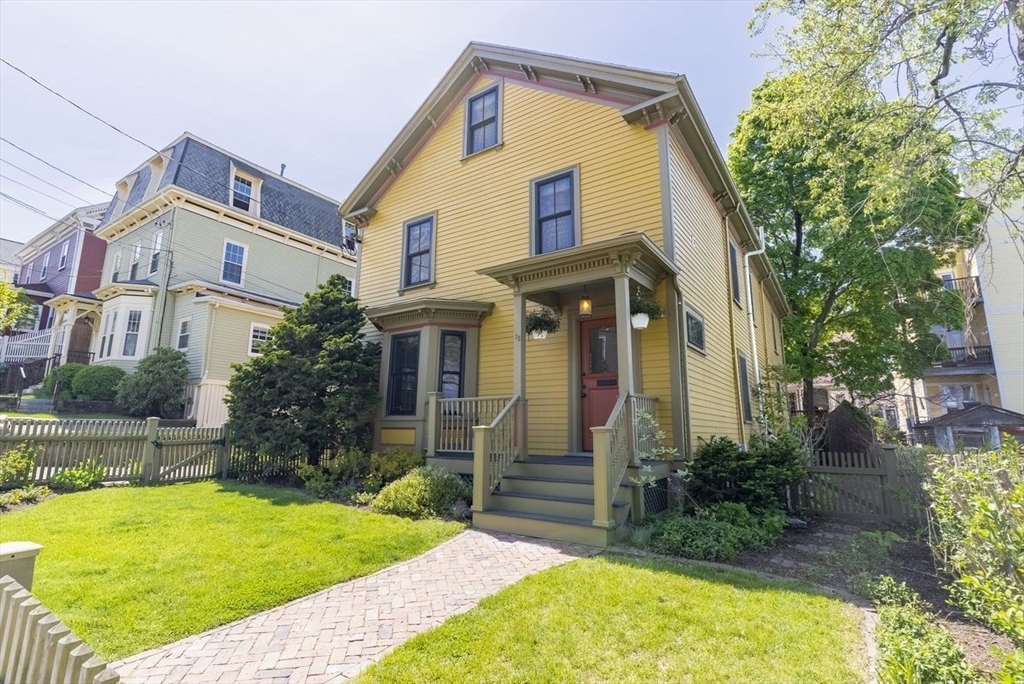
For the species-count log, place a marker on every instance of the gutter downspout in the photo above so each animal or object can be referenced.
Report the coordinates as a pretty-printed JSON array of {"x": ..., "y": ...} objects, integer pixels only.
[{"x": 750, "y": 320}]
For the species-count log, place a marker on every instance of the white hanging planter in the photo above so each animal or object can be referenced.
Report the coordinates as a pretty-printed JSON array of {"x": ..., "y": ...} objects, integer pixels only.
[
  {"x": 539, "y": 334},
  {"x": 640, "y": 320}
]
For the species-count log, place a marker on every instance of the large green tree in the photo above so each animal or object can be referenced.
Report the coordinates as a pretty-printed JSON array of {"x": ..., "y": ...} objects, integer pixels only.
[
  {"x": 949, "y": 65},
  {"x": 314, "y": 385},
  {"x": 855, "y": 231}
]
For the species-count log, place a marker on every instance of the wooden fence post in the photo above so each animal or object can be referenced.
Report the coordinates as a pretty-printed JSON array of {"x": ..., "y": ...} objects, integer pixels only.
[
  {"x": 224, "y": 453},
  {"x": 890, "y": 482},
  {"x": 150, "y": 454}
]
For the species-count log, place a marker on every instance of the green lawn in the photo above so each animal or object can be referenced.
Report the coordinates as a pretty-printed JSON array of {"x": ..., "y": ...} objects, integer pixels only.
[
  {"x": 130, "y": 568},
  {"x": 610, "y": 619}
]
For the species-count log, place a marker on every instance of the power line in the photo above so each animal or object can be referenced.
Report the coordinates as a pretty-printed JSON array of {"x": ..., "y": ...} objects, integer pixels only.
[
  {"x": 55, "y": 168},
  {"x": 29, "y": 187},
  {"x": 115, "y": 128},
  {"x": 38, "y": 178},
  {"x": 26, "y": 205}
]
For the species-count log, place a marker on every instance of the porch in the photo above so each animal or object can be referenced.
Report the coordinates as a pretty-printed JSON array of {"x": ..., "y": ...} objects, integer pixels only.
[{"x": 582, "y": 492}]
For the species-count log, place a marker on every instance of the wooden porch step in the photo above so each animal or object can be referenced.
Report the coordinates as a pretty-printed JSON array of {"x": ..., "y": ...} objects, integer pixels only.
[
  {"x": 546, "y": 486},
  {"x": 556, "y": 506},
  {"x": 557, "y": 528}
]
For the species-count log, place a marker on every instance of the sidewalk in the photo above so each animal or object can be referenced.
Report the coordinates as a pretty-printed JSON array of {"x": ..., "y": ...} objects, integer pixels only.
[{"x": 332, "y": 635}]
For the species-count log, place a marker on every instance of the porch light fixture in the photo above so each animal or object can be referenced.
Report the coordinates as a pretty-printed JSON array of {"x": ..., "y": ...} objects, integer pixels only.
[{"x": 586, "y": 306}]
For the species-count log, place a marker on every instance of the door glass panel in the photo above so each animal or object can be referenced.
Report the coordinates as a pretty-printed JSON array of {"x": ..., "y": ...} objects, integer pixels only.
[{"x": 604, "y": 351}]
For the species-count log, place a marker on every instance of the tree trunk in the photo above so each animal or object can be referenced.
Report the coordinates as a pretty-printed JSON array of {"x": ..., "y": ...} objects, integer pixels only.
[{"x": 809, "y": 412}]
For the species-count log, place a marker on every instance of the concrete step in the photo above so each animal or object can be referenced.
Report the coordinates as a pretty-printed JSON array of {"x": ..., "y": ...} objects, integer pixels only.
[
  {"x": 556, "y": 506},
  {"x": 571, "y": 530}
]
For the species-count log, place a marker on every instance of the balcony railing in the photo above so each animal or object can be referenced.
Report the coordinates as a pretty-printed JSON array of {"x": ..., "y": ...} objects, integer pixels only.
[
  {"x": 967, "y": 356},
  {"x": 968, "y": 287}
]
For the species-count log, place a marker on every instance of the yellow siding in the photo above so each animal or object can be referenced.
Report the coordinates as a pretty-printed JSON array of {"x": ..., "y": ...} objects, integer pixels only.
[
  {"x": 482, "y": 206},
  {"x": 703, "y": 260},
  {"x": 655, "y": 376}
]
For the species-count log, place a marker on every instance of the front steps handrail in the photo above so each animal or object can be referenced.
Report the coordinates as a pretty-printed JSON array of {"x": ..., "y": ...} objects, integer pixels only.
[{"x": 495, "y": 448}]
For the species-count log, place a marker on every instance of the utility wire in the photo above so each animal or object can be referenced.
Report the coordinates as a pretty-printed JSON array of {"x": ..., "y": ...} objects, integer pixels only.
[
  {"x": 44, "y": 194},
  {"x": 106, "y": 193},
  {"x": 26, "y": 205},
  {"x": 115, "y": 128},
  {"x": 38, "y": 178}
]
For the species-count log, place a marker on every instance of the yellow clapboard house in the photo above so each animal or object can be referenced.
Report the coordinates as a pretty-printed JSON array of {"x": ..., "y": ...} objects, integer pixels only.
[{"x": 531, "y": 181}]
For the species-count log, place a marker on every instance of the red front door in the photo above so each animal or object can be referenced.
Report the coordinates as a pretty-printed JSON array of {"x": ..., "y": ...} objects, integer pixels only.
[{"x": 600, "y": 386}]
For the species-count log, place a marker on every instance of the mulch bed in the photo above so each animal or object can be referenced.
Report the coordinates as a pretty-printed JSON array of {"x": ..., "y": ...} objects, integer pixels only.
[{"x": 814, "y": 554}]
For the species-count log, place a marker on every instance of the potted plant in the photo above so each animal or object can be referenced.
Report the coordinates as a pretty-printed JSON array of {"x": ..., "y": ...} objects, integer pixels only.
[
  {"x": 540, "y": 322},
  {"x": 643, "y": 309}
]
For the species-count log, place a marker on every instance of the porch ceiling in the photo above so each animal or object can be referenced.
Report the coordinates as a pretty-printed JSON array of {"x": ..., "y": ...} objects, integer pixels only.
[
  {"x": 79, "y": 305},
  {"x": 632, "y": 254}
]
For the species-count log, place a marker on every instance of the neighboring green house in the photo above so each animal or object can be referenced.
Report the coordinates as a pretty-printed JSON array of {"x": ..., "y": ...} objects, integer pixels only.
[{"x": 204, "y": 250}]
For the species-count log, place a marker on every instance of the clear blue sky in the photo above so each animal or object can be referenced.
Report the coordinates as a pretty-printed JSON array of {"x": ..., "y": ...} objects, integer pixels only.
[{"x": 320, "y": 86}]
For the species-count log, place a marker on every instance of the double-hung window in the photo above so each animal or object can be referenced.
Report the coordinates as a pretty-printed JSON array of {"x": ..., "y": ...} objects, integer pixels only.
[
  {"x": 403, "y": 374},
  {"x": 115, "y": 270},
  {"x": 453, "y": 362},
  {"x": 482, "y": 121},
  {"x": 46, "y": 267},
  {"x": 184, "y": 333},
  {"x": 258, "y": 335},
  {"x": 734, "y": 273},
  {"x": 233, "y": 267},
  {"x": 131, "y": 333},
  {"x": 748, "y": 413},
  {"x": 695, "y": 331},
  {"x": 418, "y": 263},
  {"x": 154, "y": 259},
  {"x": 63, "y": 263},
  {"x": 241, "y": 196},
  {"x": 110, "y": 335},
  {"x": 555, "y": 212},
  {"x": 133, "y": 272}
]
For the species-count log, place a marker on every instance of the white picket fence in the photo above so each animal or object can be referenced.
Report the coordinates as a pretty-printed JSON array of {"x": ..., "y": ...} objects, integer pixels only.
[
  {"x": 25, "y": 347},
  {"x": 37, "y": 648}
]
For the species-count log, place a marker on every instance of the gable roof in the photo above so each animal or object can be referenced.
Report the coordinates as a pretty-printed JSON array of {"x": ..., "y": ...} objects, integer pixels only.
[
  {"x": 90, "y": 216},
  {"x": 644, "y": 96},
  {"x": 981, "y": 414}
]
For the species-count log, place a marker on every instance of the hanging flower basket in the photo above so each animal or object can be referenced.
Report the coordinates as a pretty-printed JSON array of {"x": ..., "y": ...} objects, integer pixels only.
[
  {"x": 644, "y": 308},
  {"x": 541, "y": 322}
]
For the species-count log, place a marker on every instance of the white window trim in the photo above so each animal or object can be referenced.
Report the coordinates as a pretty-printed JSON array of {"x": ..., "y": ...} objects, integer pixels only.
[
  {"x": 177, "y": 339},
  {"x": 62, "y": 263},
  {"x": 154, "y": 257},
  {"x": 245, "y": 262},
  {"x": 115, "y": 267},
  {"x": 254, "y": 200},
  {"x": 157, "y": 166},
  {"x": 124, "y": 335},
  {"x": 45, "y": 267},
  {"x": 119, "y": 328},
  {"x": 252, "y": 331}
]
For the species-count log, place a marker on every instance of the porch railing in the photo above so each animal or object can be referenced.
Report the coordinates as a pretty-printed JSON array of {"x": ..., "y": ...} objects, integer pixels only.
[
  {"x": 25, "y": 347},
  {"x": 495, "y": 447},
  {"x": 450, "y": 422},
  {"x": 617, "y": 443}
]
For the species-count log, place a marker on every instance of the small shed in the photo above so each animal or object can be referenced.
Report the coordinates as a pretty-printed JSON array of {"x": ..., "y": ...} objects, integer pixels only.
[{"x": 981, "y": 425}]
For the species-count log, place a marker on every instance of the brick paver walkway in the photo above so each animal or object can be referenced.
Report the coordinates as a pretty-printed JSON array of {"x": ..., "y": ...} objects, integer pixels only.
[{"x": 332, "y": 635}]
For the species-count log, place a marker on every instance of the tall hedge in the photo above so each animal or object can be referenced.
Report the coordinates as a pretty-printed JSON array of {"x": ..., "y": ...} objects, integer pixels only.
[{"x": 97, "y": 383}]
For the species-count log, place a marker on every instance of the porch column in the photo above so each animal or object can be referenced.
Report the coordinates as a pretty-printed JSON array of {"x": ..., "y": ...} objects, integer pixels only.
[
  {"x": 58, "y": 321},
  {"x": 624, "y": 334},
  {"x": 519, "y": 345}
]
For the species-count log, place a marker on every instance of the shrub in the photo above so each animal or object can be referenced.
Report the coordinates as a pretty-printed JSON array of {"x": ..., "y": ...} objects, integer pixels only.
[
  {"x": 761, "y": 533},
  {"x": 391, "y": 465},
  {"x": 699, "y": 538},
  {"x": 978, "y": 506},
  {"x": 81, "y": 477},
  {"x": 29, "y": 494},
  {"x": 424, "y": 493},
  {"x": 62, "y": 379},
  {"x": 16, "y": 465},
  {"x": 348, "y": 465},
  {"x": 911, "y": 647},
  {"x": 97, "y": 383},
  {"x": 157, "y": 387},
  {"x": 722, "y": 471},
  {"x": 316, "y": 481}
]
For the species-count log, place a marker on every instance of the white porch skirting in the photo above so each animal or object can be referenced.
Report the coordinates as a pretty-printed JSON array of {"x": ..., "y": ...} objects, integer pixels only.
[{"x": 208, "y": 407}]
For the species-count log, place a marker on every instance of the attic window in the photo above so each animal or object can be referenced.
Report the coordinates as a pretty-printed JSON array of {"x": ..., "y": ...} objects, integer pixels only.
[
  {"x": 245, "y": 192},
  {"x": 483, "y": 121}
]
